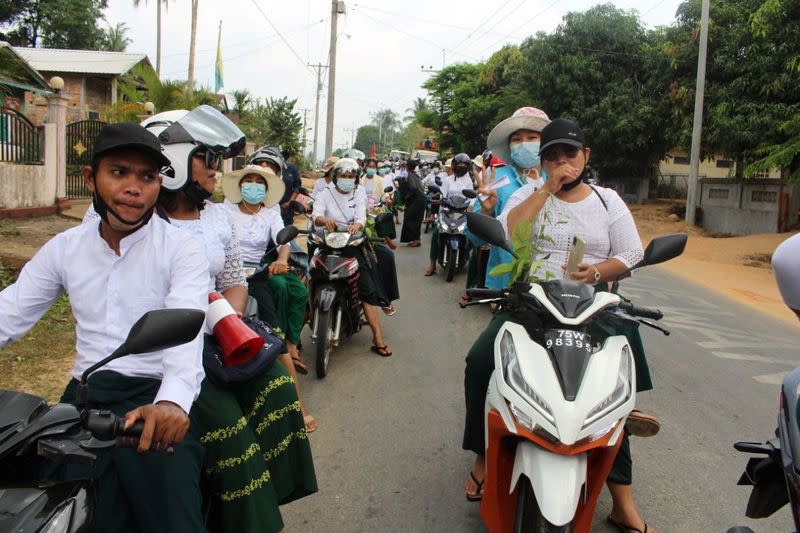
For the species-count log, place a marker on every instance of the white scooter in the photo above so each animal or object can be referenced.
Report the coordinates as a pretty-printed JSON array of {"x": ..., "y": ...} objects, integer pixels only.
[{"x": 558, "y": 399}]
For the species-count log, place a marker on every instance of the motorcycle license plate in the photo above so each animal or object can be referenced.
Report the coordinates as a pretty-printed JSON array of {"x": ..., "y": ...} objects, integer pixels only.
[{"x": 567, "y": 338}]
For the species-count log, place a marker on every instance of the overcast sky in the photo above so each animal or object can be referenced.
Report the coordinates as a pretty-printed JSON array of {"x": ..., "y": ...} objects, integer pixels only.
[{"x": 381, "y": 44}]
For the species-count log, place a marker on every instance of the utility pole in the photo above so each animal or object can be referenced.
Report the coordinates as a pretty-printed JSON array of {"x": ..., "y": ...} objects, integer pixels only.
[
  {"x": 319, "y": 68},
  {"x": 352, "y": 132},
  {"x": 336, "y": 8},
  {"x": 305, "y": 111},
  {"x": 697, "y": 126}
]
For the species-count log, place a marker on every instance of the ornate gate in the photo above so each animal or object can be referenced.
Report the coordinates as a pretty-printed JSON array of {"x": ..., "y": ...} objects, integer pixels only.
[{"x": 80, "y": 144}]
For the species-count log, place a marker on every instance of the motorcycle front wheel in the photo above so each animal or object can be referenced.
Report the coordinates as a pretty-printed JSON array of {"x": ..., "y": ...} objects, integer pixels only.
[
  {"x": 451, "y": 264},
  {"x": 324, "y": 345},
  {"x": 529, "y": 517}
]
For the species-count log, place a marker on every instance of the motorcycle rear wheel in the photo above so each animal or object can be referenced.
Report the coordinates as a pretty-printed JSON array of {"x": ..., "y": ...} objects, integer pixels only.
[
  {"x": 324, "y": 345},
  {"x": 529, "y": 517}
]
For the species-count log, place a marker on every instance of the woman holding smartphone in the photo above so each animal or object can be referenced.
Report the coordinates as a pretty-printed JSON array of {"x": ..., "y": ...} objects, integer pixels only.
[{"x": 597, "y": 219}]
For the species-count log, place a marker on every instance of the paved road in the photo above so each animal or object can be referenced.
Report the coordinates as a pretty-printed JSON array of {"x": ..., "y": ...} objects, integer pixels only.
[{"x": 388, "y": 451}]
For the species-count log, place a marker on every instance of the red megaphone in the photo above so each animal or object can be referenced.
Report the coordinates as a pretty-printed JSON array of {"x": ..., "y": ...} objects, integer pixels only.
[{"x": 239, "y": 343}]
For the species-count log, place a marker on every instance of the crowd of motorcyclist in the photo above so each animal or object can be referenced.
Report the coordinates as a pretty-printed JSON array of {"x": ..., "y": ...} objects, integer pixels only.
[{"x": 245, "y": 446}]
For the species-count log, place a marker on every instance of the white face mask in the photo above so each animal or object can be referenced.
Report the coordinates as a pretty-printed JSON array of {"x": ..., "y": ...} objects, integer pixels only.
[{"x": 346, "y": 184}]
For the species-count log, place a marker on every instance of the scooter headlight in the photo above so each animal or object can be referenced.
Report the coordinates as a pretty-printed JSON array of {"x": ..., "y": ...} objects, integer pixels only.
[
  {"x": 513, "y": 377},
  {"x": 463, "y": 226},
  {"x": 337, "y": 239},
  {"x": 621, "y": 392},
  {"x": 60, "y": 522},
  {"x": 357, "y": 242}
]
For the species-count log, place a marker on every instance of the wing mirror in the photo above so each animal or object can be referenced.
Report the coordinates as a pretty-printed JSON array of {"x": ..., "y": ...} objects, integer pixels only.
[
  {"x": 490, "y": 230},
  {"x": 434, "y": 189},
  {"x": 297, "y": 207},
  {"x": 156, "y": 330},
  {"x": 664, "y": 248},
  {"x": 469, "y": 193},
  {"x": 388, "y": 189},
  {"x": 286, "y": 235}
]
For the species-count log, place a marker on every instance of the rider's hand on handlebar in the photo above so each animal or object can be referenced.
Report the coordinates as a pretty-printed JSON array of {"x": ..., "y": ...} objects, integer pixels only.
[
  {"x": 352, "y": 229},
  {"x": 330, "y": 224},
  {"x": 164, "y": 423},
  {"x": 278, "y": 267}
]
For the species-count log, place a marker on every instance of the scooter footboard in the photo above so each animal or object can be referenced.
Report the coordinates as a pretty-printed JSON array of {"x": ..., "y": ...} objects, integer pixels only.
[{"x": 557, "y": 480}]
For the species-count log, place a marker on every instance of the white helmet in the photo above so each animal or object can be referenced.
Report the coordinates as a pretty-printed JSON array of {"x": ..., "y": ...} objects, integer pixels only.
[{"x": 182, "y": 133}]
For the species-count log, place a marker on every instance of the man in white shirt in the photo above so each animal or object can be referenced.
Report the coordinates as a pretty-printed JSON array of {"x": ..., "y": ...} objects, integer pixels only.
[{"x": 113, "y": 273}]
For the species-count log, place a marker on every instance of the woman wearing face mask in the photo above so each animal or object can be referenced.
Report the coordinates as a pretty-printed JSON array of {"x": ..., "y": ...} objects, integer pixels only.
[
  {"x": 514, "y": 140},
  {"x": 257, "y": 451},
  {"x": 342, "y": 206},
  {"x": 282, "y": 298},
  {"x": 451, "y": 186},
  {"x": 373, "y": 181},
  {"x": 410, "y": 188},
  {"x": 600, "y": 217}
]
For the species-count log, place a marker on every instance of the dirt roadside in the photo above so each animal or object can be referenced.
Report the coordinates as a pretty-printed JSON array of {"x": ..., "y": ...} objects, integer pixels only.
[{"x": 737, "y": 267}]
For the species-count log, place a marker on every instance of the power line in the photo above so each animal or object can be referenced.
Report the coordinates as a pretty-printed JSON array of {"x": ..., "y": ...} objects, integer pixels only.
[
  {"x": 472, "y": 31},
  {"x": 652, "y": 8},
  {"x": 511, "y": 34},
  {"x": 289, "y": 46}
]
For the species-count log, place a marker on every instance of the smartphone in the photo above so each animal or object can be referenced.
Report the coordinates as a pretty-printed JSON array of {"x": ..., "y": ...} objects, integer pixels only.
[{"x": 575, "y": 254}]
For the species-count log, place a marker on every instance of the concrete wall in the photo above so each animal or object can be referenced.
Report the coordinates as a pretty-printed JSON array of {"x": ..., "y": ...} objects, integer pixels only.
[
  {"x": 745, "y": 208},
  {"x": 632, "y": 190},
  {"x": 85, "y": 94},
  {"x": 31, "y": 186}
]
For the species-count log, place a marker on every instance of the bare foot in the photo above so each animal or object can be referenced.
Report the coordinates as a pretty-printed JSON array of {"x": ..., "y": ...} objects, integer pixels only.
[
  {"x": 473, "y": 485},
  {"x": 431, "y": 271}
]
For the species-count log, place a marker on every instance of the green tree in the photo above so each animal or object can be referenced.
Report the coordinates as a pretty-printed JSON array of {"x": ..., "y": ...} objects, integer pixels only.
[
  {"x": 274, "y": 122},
  {"x": 136, "y": 3},
  {"x": 242, "y": 100},
  {"x": 53, "y": 23},
  {"x": 778, "y": 22},
  {"x": 420, "y": 104},
  {"x": 165, "y": 95},
  {"x": 115, "y": 38},
  {"x": 366, "y": 137}
]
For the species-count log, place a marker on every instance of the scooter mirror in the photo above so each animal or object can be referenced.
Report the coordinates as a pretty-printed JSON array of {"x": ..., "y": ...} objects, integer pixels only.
[
  {"x": 664, "y": 248},
  {"x": 469, "y": 193},
  {"x": 434, "y": 189},
  {"x": 384, "y": 225},
  {"x": 490, "y": 230},
  {"x": 304, "y": 191},
  {"x": 164, "y": 328},
  {"x": 287, "y": 235},
  {"x": 388, "y": 189},
  {"x": 297, "y": 207}
]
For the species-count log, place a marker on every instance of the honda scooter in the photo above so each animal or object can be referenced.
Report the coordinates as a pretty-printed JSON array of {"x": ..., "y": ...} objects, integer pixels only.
[
  {"x": 32, "y": 431},
  {"x": 452, "y": 223},
  {"x": 559, "y": 396}
]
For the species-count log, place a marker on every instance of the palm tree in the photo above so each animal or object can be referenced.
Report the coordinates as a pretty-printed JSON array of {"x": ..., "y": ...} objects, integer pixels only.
[
  {"x": 242, "y": 100},
  {"x": 115, "y": 38},
  {"x": 158, "y": 31},
  {"x": 420, "y": 104},
  {"x": 190, "y": 78}
]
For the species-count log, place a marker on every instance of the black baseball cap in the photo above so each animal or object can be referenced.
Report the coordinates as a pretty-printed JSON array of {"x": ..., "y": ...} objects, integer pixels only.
[
  {"x": 561, "y": 131},
  {"x": 128, "y": 135}
]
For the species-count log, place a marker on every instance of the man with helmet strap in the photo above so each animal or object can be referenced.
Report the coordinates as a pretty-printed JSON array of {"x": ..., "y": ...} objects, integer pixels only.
[
  {"x": 342, "y": 206},
  {"x": 114, "y": 271}
]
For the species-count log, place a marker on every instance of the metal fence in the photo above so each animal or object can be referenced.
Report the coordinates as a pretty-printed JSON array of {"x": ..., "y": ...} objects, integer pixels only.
[
  {"x": 20, "y": 141},
  {"x": 80, "y": 145}
]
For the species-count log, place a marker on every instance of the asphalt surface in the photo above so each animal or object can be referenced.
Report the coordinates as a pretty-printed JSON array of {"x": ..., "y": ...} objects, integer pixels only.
[{"x": 388, "y": 450}]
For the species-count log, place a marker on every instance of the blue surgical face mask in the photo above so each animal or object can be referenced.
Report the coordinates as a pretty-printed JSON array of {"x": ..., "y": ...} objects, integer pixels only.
[
  {"x": 525, "y": 154},
  {"x": 346, "y": 184},
  {"x": 383, "y": 171},
  {"x": 253, "y": 193},
  {"x": 372, "y": 171}
]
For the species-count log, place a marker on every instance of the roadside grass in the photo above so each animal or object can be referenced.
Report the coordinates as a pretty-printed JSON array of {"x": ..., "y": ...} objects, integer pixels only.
[{"x": 40, "y": 362}]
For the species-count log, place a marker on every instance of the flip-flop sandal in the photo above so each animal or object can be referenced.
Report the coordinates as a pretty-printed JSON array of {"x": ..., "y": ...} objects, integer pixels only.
[
  {"x": 310, "y": 423},
  {"x": 429, "y": 273},
  {"x": 389, "y": 310},
  {"x": 383, "y": 351},
  {"x": 300, "y": 366},
  {"x": 466, "y": 298},
  {"x": 642, "y": 425},
  {"x": 623, "y": 528},
  {"x": 478, "y": 496}
]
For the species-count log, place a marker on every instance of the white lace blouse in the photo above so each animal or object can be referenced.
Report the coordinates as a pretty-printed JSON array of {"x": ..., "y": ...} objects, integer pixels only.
[
  {"x": 256, "y": 232},
  {"x": 609, "y": 232}
]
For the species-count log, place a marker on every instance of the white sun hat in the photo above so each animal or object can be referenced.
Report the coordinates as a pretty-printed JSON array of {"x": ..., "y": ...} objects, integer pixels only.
[
  {"x": 524, "y": 118},
  {"x": 233, "y": 191}
]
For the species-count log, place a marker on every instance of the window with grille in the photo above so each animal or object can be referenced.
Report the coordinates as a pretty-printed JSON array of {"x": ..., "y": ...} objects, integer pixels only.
[
  {"x": 680, "y": 160},
  {"x": 764, "y": 196},
  {"x": 724, "y": 163},
  {"x": 717, "y": 193}
]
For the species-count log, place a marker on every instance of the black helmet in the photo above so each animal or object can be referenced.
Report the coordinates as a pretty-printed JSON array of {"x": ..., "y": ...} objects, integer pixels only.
[
  {"x": 270, "y": 154},
  {"x": 461, "y": 164}
]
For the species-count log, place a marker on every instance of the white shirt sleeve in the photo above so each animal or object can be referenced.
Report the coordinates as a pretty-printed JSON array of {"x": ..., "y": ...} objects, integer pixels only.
[
  {"x": 24, "y": 302},
  {"x": 320, "y": 204},
  {"x": 513, "y": 201},
  {"x": 626, "y": 245},
  {"x": 183, "y": 365},
  {"x": 360, "y": 211}
]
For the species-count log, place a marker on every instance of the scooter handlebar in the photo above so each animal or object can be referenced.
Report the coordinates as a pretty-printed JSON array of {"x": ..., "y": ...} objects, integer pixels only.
[
  {"x": 643, "y": 312},
  {"x": 129, "y": 438},
  {"x": 483, "y": 294}
]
